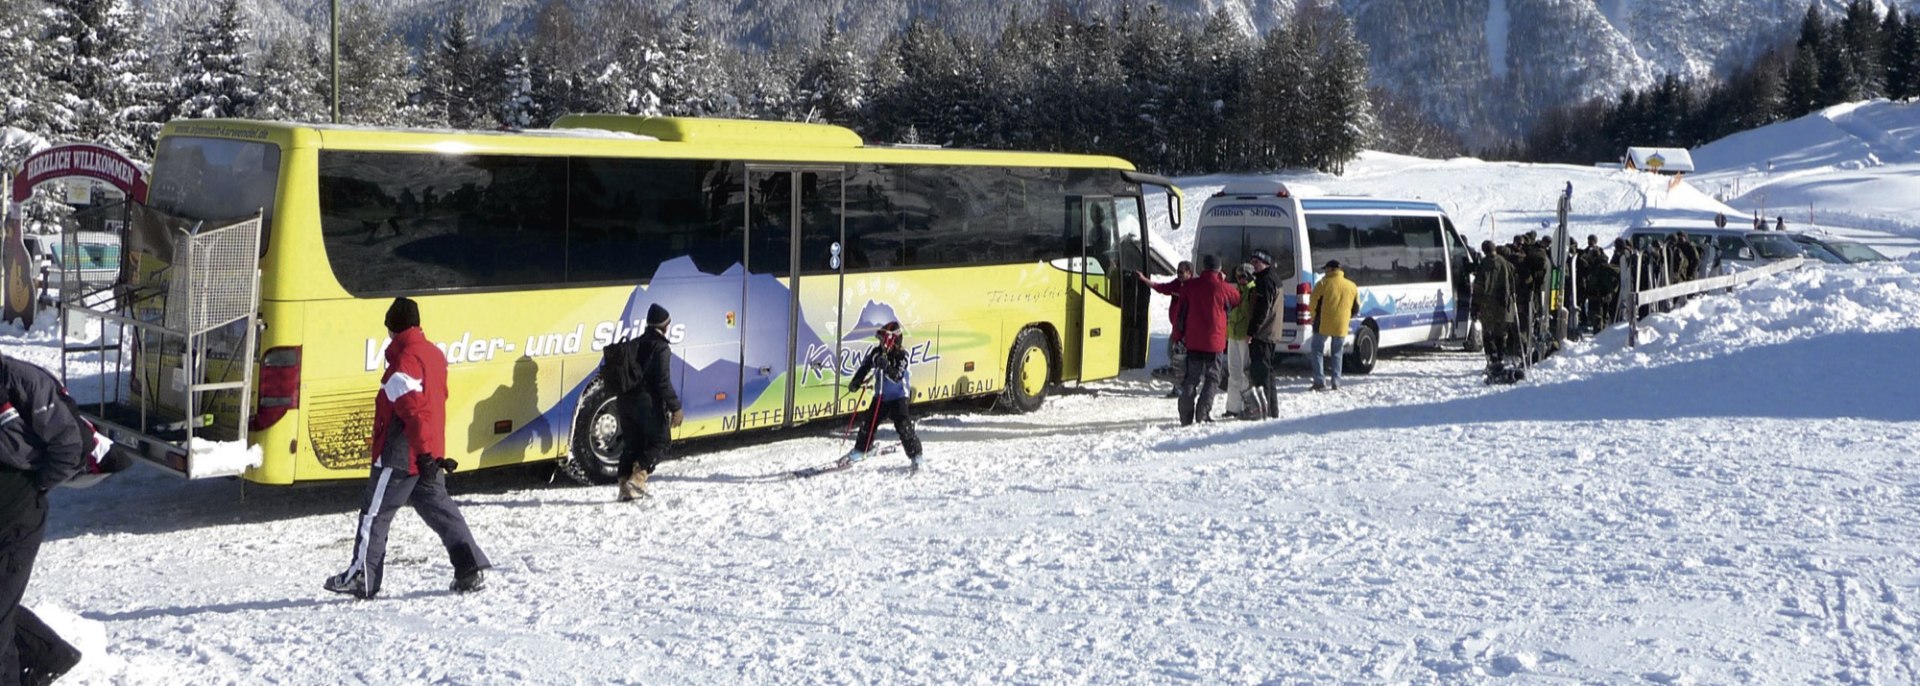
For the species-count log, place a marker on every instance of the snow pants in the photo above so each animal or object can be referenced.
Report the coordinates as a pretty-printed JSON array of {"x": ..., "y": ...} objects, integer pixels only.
[
  {"x": 1260, "y": 375},
  {"x": 20, "y": 534},
  {"x": 1237, "y": 351},
  {"x": 643, "y": 443},
  {"x": 391, "y": 487},
  {"x": 1196, "y": 389},
  {"x": 895, "y": 410}
]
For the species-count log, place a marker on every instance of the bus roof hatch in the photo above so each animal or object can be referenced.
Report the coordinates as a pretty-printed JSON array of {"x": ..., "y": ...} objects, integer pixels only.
[{"x": 718, "y": 131}]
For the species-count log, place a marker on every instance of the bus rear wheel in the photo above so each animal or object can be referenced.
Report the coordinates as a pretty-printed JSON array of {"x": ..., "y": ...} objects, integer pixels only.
[
  {"x": 1363, "y": 352},
  {"x": 1029, "y": 372},
  {"x": 594, "y": 458}
]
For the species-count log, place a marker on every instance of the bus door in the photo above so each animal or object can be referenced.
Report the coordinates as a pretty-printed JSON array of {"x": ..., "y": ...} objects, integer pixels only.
[
  {"x": 1099, "y": 320},
  {"x": 792, "y": 348}
]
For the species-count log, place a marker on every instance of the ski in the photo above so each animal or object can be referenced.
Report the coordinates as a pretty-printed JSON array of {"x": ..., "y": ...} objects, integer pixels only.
[{"x": 842, "y": 465}]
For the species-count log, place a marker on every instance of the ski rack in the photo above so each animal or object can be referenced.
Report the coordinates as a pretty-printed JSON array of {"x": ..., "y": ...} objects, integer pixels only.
[{"x": 198, "y": 313}]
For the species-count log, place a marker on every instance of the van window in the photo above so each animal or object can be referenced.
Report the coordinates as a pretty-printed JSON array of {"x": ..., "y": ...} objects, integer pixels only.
[{"x": 1380, "y": 250}]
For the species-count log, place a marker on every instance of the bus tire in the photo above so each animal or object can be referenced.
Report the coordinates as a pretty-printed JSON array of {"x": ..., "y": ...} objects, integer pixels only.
[
  {"x": 1364, "y": 351},
  {"x": 1029, "y": 373},
  {"x": 594, "y": 455}
]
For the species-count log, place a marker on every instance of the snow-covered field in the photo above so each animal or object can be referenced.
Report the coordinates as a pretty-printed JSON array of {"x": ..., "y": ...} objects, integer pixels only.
[{"x": 1733, "y": 501}]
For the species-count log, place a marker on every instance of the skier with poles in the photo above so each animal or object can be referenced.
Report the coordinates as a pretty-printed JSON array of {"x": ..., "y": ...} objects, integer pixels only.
[{"x": 893, "y": 391}]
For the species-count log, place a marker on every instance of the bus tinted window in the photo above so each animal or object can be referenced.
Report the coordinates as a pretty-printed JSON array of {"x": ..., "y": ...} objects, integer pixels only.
[
  {"x": 215, "y": 179},
  {"x": 626, "y": 216},
  {"x": 406, "y": 222}
]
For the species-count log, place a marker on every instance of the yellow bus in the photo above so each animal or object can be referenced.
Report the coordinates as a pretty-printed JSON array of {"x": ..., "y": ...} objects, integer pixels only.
[{"x": 778, "y": 248}]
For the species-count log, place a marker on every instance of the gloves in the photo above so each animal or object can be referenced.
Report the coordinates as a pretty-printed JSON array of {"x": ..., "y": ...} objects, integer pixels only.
[
  {"x": 446, "y": 464},
  {"x": 676, "y": 418}
]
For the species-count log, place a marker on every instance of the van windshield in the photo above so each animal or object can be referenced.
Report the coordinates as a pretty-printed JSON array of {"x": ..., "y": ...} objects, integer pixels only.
[
  {"x": 1234, "y": 245},
  {"x": 216, "y": 179}
]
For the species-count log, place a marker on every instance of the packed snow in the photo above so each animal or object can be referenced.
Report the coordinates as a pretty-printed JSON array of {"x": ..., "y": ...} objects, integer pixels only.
[{"x": 1731, "y": 501}]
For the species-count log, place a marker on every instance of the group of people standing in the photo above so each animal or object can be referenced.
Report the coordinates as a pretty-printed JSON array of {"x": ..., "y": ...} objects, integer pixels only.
[{"x": 1227, "y": 333}]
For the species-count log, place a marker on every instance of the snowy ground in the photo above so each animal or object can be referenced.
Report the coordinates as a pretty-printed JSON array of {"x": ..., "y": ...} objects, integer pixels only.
[{"x": 1734, "y": 501}]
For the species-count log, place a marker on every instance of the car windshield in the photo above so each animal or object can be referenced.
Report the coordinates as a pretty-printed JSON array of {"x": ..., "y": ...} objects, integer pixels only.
[
  {"x": 1856, "y": 252},
  {"x": 1773, "y": 247}
]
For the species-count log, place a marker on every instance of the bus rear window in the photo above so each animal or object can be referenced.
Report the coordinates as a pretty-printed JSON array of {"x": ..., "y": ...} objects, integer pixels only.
[{"x": 216, "y": 180}]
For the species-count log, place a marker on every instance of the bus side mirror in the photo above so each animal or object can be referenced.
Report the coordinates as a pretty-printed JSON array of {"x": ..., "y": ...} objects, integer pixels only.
[{"x": 1176, "y": 206}]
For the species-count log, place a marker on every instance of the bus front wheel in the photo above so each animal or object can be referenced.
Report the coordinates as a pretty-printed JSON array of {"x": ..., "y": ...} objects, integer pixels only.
[
  {"x": 594, "y": 458},
  {"x": 1363, "y": 352},
  {"x": 1029, "y": 372}
]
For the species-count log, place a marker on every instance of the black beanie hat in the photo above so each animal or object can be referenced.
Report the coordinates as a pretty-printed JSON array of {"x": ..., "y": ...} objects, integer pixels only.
[
  {"x": 403, "y": 315},
  {"x": 656, "y": 315}
]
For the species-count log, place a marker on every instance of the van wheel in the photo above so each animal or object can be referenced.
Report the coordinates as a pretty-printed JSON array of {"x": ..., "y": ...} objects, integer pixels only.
[
  {"x": 1363, "y": 353},
  {"x": 1029, "y": 373},
  {"x": 594, "y": 458}
]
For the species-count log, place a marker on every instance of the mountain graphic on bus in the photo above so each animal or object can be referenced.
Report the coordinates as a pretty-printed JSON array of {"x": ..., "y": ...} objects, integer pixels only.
[
  {"x": 708, "y": 370},
  {"x": 872, "y": 316}
]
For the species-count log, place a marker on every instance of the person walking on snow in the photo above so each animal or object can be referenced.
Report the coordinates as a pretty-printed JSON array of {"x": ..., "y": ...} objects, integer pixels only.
[
  {"x": 1241, "y": 404},
  {"x": 1204, "y": 302},
  {"x": 409, "y": 457},
  {"x": 893, "y": 381},
  {"x": 1176, "y": 351},
  {"x": 638, "y": 371},
  {"x": 1335, "y": 302}
]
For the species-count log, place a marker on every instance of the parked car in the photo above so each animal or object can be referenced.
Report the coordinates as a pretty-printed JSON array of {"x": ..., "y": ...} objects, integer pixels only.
[
  {"x": 1735, "y": 246},
  {"x": 1845, "y": 251}
]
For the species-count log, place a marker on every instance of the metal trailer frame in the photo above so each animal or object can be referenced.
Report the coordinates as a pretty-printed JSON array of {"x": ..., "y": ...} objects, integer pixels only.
[{"x": 213, "y": 284}]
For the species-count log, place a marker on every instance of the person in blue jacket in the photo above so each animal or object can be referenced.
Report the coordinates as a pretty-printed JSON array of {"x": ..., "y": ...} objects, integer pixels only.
[{"x": 893, "y": 381}]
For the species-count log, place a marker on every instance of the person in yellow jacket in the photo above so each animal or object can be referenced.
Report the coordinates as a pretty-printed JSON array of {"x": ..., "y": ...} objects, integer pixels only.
[{"x": 1335, "y": 302}]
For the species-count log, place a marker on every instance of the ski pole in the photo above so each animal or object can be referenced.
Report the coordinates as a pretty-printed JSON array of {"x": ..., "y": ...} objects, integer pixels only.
[
  {"x": 854, "y": 416},
  {"x": 873, "y": 422}
]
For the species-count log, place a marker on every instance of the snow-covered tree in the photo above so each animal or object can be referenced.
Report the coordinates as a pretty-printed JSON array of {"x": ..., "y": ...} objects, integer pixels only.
[
  {"x": 107, "y": 92},
  {"x": 215, "y": 79},
  {"x": 1903, "y": 62},
  {"x": 376, "y": 75},
  {"x": 27, "y": 99},
  {"x": 831, "y": 83},
  {"x": 293, "y": 82},
  {"x": 1150, "y": 56},
  {"x": 692, "y": 83},
  {"x": 455, "y": 82},
  {"x": 1343, "y": 122},
  {"x": 520, "y": 106}
]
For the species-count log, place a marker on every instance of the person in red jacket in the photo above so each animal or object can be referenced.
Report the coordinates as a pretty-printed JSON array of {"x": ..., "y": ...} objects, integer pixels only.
[
  {"x": 1204, "y": 303},
  {"x": 1176, "y": 352},
  {"x": 409, "y": 457}
]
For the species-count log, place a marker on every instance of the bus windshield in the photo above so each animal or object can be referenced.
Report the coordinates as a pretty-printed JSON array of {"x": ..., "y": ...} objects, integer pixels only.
[{"x": 215, "y": 179}]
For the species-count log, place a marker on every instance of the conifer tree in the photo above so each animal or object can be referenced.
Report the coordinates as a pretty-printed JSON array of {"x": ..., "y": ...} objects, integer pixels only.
[
  {"x": 107, "y": 91},
  {"x": 455, "y": 85},
  {"x": 376, "y": 77},
  {"x": 293, "y": 83},
  {"x": 27, "y": 99},
  {"x": 215, "y": 78},
  {"x": 831, "y": 83}
]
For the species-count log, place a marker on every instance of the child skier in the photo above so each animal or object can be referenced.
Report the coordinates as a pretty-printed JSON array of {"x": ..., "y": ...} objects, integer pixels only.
[{"x": 892, "y": 381}]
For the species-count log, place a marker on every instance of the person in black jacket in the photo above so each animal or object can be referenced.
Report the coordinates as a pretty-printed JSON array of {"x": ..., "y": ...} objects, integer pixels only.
[
  {"x": 1264, "y": 328},
  {"x": 644, "y": 401},
  {"x": 41, "y": 446},
  {"x": 893, "y": 384}
]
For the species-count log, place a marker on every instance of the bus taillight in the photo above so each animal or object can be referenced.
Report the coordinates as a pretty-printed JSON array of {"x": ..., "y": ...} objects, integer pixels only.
[
  {"x": 279, "y": 386},
  {"x": 1302, "y": 313}
]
